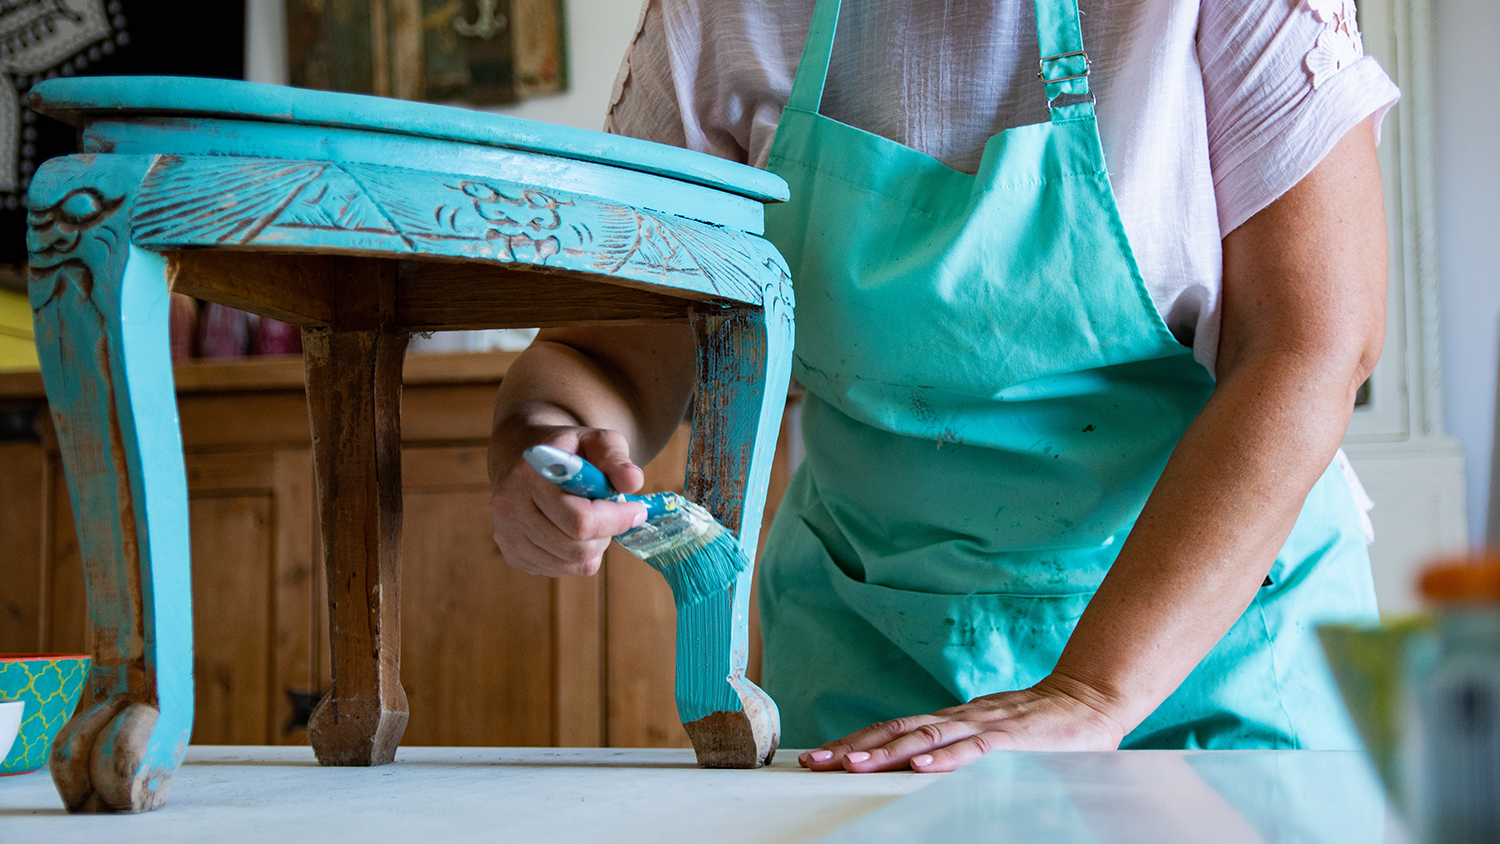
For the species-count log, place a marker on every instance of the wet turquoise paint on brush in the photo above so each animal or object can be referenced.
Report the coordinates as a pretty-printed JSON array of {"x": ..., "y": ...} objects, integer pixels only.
[{"x": 700, "y": 559}]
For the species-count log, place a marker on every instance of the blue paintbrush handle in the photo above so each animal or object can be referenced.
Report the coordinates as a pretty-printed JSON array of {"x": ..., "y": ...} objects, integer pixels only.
[{"x": 572, "y": 474}]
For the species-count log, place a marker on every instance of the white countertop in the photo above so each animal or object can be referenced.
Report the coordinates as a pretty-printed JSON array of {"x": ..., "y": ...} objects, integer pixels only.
[{"x": 280, "y": 794}]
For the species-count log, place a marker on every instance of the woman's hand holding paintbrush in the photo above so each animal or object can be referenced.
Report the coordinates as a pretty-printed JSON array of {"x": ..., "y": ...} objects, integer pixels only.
[
  {"x": 541, "y": 529},
  {"x": 613, "y": 397},
  {"x": 698, "y": 556}
]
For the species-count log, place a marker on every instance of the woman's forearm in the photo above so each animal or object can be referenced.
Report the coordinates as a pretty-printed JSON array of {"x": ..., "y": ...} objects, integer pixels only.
[
  {"x": 1210, "y": 532},
  {"x": 1304, "y": 293},
  {"x": 633, "y": 380}
]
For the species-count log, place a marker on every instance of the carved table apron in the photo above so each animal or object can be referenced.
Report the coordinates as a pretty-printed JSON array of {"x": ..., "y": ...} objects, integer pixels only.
[{"x": 362, "y": 220}]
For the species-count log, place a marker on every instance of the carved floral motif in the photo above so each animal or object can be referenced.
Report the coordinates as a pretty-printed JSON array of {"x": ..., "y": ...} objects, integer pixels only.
[{"x": 377, "y": 209}]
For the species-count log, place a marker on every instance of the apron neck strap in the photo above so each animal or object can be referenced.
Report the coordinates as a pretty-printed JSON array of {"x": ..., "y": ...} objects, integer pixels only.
[
  {"x": 812, "y": 70},
  {"x": 1063, "y": 67}
]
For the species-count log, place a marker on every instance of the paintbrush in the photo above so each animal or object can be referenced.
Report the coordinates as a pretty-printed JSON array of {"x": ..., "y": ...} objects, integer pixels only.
[{"x": 698, "y": 556}]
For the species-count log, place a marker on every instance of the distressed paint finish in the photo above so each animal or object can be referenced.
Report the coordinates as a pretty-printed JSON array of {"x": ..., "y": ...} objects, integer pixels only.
[
  {"x": 78, "y": 99},
  {"x": 744, "y": 362},
  {"x": 509, "y": 220},
  {"x": 249, "y": 203},
  {"x": 186, "y": 136},
  {"x": 100, "y": 307}
]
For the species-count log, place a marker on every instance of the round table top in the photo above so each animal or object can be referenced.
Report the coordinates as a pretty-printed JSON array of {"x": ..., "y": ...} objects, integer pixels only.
[{"x": 76, "y": 100}]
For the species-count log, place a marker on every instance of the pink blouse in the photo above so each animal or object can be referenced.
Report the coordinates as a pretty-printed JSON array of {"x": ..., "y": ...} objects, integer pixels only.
[{"x": 1208, "y": 110}]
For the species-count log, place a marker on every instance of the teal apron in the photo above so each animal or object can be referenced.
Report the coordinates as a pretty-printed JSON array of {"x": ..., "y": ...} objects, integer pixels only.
[{"x": 991, "y": 398}]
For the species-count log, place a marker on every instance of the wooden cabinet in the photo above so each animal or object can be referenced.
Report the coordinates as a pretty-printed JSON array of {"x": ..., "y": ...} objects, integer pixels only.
[{"x": 490, "y": 655}]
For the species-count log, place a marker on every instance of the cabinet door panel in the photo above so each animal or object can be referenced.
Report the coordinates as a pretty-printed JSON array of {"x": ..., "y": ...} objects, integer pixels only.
[
  {"x": 22, "y": 512},
  {"x": 232, "y": 615},
  {"x": 255, "y": 647},
  {"x": 478, "y": 648}
]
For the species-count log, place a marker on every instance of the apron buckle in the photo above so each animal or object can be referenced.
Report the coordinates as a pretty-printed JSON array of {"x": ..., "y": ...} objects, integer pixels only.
[{"x": 1042, "y": 67}]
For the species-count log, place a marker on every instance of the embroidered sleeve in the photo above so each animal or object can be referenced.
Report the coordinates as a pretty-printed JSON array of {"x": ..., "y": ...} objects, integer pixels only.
[
  {"x": 1283, "y": 82},
  {"x": 1339, "y": 45}
]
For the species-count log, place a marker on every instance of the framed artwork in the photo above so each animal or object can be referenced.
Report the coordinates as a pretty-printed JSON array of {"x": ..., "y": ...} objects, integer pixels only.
[{"x": 479, "y": 52}]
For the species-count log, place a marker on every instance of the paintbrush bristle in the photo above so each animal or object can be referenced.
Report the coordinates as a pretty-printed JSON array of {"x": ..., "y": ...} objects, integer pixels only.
[{"x": 696, "y": 555}]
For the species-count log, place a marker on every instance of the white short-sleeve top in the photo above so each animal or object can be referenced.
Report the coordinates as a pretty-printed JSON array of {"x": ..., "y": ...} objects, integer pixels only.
[{"x": 1208, "y": 109}]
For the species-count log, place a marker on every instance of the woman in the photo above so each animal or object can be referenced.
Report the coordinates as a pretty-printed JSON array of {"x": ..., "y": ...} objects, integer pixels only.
[{"x": 1070, "y": 477}]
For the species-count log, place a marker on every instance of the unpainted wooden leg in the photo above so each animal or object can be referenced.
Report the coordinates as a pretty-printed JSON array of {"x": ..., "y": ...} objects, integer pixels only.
[
  {"x": 354, "y": 400},
  {"x": 744, "y": 364},
  {"x": 100, "y": 308}
]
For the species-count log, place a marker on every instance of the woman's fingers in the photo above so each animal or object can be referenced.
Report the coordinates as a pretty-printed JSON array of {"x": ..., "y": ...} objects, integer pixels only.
[
  {"x": 542, "y": 530},
  {"x": 832, "y": 755},
  {"x": 609, "y": 451},
  {"x": 901, "y": 750},
  {"x": 1029, "y": 719}
]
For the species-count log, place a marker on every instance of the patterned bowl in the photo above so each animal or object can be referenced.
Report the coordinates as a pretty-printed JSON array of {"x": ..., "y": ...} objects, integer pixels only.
[{"x": 50, "y": 685}]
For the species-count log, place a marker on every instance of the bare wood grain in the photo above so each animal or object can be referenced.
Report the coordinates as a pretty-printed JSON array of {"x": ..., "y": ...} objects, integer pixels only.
[
  {"x": 292, "y": 288},
  {"x": 580, "y": 688},
  {"x": 449, "y": 413},
  {"x": 437, "y": 295},
  {"x": 477, "y": 635},
  {"x": 354, "y": 401},
  {"x": 65, "y": 629},
  {"x": 232, "y": 547}
]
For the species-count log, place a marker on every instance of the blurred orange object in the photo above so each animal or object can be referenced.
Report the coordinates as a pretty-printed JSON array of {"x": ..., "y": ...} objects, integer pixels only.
[{"x": 1466, "y": 579}]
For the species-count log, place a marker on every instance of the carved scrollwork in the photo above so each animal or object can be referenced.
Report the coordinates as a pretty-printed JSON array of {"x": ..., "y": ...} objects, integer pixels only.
[
  {"x": 74, "y": 229},
  {"x": 376, "y": 209}
]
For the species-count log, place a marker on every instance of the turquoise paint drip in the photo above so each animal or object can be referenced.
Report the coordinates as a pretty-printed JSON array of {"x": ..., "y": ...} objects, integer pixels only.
[{"x": 704, "y": 631}]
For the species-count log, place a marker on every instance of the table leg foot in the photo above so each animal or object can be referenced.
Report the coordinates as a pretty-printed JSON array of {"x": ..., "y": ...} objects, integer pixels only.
[
  {"x": 743, "y": 363},
  {"x": 100, "y": 761},
  {"x": 356, "y": 732},
  {"x": 744, "y": 739}
]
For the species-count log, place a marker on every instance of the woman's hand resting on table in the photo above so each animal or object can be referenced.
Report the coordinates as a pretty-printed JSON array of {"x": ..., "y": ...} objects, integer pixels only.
[
  {"x": 542, "y": 530},
  {"x": 1056, "y": 714}
]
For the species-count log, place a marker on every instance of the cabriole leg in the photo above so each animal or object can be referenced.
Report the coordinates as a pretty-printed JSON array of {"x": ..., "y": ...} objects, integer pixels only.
[
  {"x": 100, "y": 308},
  {"x": 354, "y": 400},
  {"x": 744, "y": 359}
]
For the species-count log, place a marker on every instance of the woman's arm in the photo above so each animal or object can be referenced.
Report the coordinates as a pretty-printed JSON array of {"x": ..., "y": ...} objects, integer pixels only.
[
  {"x": 612, "y": 394},
  {"x": 1303, "y": 324}
]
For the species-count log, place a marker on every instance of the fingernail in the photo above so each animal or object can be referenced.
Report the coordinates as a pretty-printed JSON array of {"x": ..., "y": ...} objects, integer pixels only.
[
  {"x": 858, "y": 756},
  {"x": 921, "y": 761},
  {"x": 820, "y": 755},
  {"x": 640, "y": 519}
]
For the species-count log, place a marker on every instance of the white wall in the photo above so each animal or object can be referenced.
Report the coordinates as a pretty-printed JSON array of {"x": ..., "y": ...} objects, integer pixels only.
[
  {"x": 1466, "y": 111},
  {"x": 598, "y": 33}
]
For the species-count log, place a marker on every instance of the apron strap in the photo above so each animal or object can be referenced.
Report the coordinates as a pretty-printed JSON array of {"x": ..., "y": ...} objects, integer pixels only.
[
  {"x": 812, "y": 69},
  {"x": 1063, "y": 67}
]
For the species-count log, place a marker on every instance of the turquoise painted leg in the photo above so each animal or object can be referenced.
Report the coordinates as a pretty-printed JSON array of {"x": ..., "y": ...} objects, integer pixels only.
[
  {"x": 100, "y": 307},
  {"x": 744, "y": 362}
]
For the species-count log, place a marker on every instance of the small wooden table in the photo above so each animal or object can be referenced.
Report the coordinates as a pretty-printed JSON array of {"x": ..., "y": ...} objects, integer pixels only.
[{"x": 362, "y": 220}]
